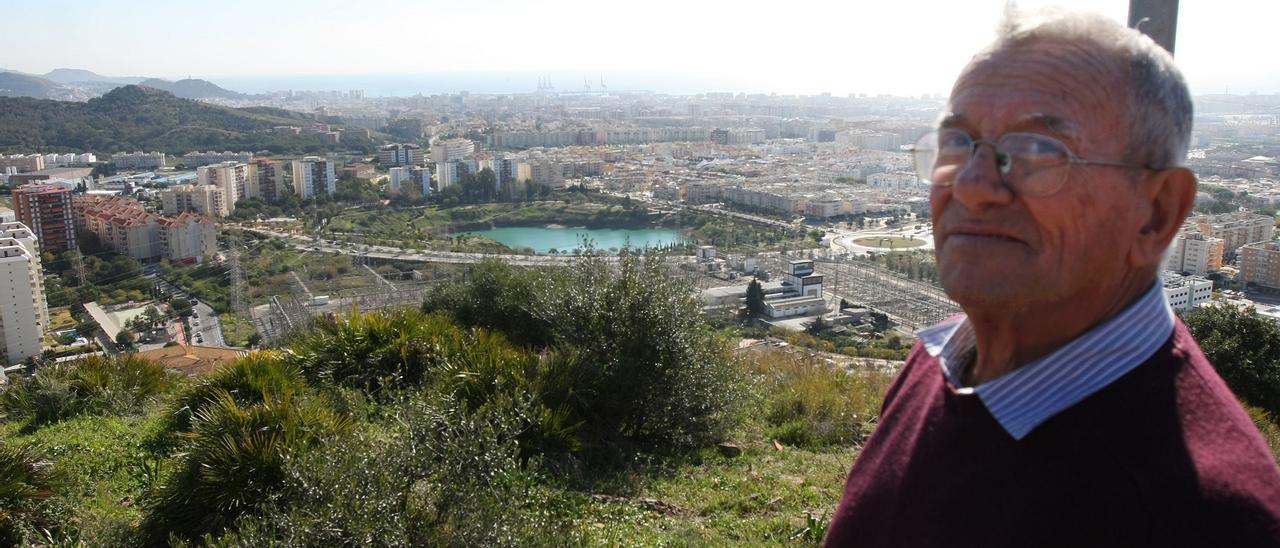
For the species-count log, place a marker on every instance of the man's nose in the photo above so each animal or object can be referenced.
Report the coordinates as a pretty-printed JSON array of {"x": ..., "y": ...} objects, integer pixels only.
[{"x": 980, "y": 184}]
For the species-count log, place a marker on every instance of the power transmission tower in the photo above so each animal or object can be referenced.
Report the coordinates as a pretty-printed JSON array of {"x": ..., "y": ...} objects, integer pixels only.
[
  {"x": 77, "y": 265},
  {"x": 238, "y": 306}
]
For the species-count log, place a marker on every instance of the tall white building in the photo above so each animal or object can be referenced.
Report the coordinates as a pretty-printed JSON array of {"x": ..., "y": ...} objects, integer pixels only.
[
  {"x": 237, "y": 181},
  {"x": 1195, "y": 253},
  {"x": 24, "y": 236},
  {"x": 400, "y": 155},
  {"x": 314, "y": 175},
  {"x": 447, "y": 150},
  {"x": 419, "y": 177},
  {"x": 23, "y": 312},
  {"x": 451, "y": 173}
]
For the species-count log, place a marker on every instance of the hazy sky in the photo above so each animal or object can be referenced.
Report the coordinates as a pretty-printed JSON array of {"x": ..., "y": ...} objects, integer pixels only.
[{"x": 798, "y": 46}]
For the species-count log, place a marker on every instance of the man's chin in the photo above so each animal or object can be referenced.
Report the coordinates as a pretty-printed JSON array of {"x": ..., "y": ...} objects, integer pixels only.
[{"x": 987, "y": 290}]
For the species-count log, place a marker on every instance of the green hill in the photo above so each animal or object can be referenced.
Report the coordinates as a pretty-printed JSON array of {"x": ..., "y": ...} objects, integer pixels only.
[
  {"x": 13, "y": 84},
  {"x": 139, "y": 118},
  {"x": 191, "y": 88}
]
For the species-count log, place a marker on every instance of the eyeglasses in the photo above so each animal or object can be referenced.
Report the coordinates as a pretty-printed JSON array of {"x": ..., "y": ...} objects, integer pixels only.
[{"x": 1027, "y": 162}]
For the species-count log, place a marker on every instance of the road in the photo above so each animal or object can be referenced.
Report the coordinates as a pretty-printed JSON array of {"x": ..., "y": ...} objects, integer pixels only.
[{"x": 209, "y": 332}]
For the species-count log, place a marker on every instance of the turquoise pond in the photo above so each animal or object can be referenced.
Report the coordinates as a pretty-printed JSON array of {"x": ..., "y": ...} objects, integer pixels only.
[{"x": 543, "y": 239}]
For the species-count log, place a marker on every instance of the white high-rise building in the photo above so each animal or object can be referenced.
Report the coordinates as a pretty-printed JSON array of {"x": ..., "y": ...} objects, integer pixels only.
[
  {"x": 451, "y": 173},
  {"x": 24, "y": 236},
  {"x": 314, "y": 175},
  {"x": 237, "y": 181},
  {"x": 1194, "y": 253},
  {"x": 447, "y": 150},
  {"x": 23, "y": 313},
  {"x": 419, "y": 177}
]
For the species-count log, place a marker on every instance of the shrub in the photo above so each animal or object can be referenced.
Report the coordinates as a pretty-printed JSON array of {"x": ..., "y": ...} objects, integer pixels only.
[
  {"x": 27, "y": 479},
  {"x": 234, "y": 459},
  {"x": 1245, "y": 350},
  {"x": 810, "y": 404},
  {"x": 446, "y": 476},
  {"x": 97, "y": 385},
  {"x": 248, "y": 381},
  {"x": 496, "y": 297}
]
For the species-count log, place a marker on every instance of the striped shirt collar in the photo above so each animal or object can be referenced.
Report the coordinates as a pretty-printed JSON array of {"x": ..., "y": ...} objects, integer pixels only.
[{"x": 1032, "y": 394}]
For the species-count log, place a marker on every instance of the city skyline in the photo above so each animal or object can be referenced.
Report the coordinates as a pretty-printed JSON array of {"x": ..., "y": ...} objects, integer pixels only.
[{"x": 400, "y": 48}]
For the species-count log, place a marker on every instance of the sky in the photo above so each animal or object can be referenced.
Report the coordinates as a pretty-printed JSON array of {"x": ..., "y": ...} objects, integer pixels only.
[{"x": 799, "y": 46}]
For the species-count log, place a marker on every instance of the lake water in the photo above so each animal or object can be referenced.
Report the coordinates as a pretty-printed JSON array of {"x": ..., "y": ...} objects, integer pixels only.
[{"x": 543, "y": 239}]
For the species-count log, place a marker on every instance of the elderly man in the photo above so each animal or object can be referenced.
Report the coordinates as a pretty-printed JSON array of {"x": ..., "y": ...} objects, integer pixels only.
[{"x": 1068, "y": 406}]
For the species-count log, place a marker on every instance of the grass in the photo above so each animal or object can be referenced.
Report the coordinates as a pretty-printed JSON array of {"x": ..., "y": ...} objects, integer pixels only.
[
  {"x": 235, "y": 330},
  {"x": 887, "y": 242}
]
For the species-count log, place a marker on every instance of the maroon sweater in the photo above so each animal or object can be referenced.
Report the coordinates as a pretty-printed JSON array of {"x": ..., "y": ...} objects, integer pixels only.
[{"x": 1164, "y": 456}]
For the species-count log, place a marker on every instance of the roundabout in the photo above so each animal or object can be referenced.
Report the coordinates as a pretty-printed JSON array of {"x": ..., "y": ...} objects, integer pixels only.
[{"x": 912, "y": 238}]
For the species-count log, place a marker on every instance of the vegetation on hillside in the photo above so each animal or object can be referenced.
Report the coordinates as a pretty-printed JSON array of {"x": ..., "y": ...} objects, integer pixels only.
[{"x": 133, "y": 118}]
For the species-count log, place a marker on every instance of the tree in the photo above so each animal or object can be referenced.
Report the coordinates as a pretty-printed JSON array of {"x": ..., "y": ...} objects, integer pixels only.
[
  {"x": 755, "y": 299},
  {"x": 125, "y": 338},
  {"x": 817, "y": 326},
  {"x": 1244, "y": 348}
]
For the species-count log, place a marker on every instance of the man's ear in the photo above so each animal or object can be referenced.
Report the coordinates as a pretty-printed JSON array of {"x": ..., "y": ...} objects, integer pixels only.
[{"x": 1170, "y": 194}]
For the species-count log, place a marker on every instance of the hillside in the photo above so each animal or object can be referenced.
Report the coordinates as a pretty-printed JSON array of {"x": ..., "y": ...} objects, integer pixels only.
[
  {"x": 72, "y": 76},
  {"x": 138, "y": 118},
  {"x": 14, "y": 84},
  {"x": 191, "y": 88}
]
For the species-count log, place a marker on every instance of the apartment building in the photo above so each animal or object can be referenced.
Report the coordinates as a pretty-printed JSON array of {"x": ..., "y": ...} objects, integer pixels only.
[
  {"x": 237, "y": 181},
  {"x": 411, "y": 176},
  {"x": 46, "y": 210},
  {"x": 23, "y": 313},
  {"x": 207, "y": 200},
  {"x": 1194, "y": 253},
  {"x": 188, "y": 238},
  {"x": 270, "y": 179},
  {"x": 1260, "y": 264},
  {"x": 197, "y": 159},
  {"x": 448, "y": 150},
  {"x": 1236, "y": 229},
  {"x": 313, "y": 175},
  {"x": 138, "y": 160},
  {"x": 451, "y": 173},
  {"x": 24, "y": 236},
  {"x": 124, "y": 225},
  {"x": 400, "y": 155},
  {"x": 22, "y": 163},
  {"x": 1186, "y": 292}
]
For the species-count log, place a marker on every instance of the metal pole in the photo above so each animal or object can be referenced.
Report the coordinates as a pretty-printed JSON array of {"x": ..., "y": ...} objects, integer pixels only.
[{"x": 1157, "y": 19}]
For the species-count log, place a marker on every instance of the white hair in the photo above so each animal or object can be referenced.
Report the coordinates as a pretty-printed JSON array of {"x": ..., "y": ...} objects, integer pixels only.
[{"x": 1159, "y": 102}]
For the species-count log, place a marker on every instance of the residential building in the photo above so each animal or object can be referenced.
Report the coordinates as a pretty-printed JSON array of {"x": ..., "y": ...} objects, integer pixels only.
[
  {"x": 237, "y": 181},
  {"x": 447, "y": 150},
  {"x": 364, "y": 172},
  {"x": 1186, "y": 292},
  {"x": 313, "y": 175},
  {"x": 1260, "y": 264},
  {"x": 22, "y": 162},
  {"x": 270, "y": 179},
  {"x": 400, "y": 155},
  {"x": 1236, "y": 229},
  {"x": 138, "y": 160},
  {"x": 207, "y": 200},
  {"x": 451, "y": 173},
  {"x": 1194, "y": 253},
  {"x": 125, "y": 226},
  {"x": 188, "y": 238},
  {"x": 414, "y": 176},
  {"x": 24, "y": 236},
  {"x": 197, "y": 159},
  {"x": 46, "y": 210},
  {"x": 23, "y": 313}
]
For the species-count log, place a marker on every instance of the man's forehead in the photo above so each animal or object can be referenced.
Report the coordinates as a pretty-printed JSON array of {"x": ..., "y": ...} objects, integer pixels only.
[{"x": 1052, "y": 122}]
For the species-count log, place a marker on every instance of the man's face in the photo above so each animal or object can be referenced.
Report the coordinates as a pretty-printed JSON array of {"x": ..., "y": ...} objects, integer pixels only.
[{"x": 998, "y": 249}]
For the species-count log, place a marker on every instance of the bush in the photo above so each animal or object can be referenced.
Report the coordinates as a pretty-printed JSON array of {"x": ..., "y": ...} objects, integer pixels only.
[
  {"x": 234, "y": 460},
  {"x": 248, "y": 381},
  {"x": 96, "y": 385},
  {"x": 446, "y": 476},
  {"x": 27, "y": 479},
  {"x": 637, "y": 366},
  {"x": 1245, "y": 350},
  {"x": 810, "y": 404}
]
